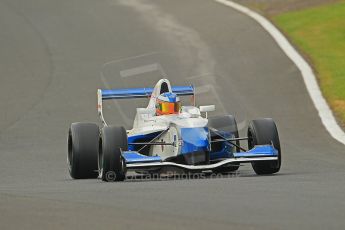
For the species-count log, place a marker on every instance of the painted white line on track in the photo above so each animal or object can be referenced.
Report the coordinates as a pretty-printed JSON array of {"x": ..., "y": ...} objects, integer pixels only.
[
  {"x": 139, "y": 70},
  {"x": 309, "y": 78}
]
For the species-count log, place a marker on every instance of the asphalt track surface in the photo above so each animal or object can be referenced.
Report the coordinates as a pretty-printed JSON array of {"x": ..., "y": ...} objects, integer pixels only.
[{"x": 53, "y": 56}]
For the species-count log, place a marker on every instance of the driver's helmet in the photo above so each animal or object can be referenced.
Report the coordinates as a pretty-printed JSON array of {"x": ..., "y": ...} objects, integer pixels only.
[{"x": 168, "y": 103}]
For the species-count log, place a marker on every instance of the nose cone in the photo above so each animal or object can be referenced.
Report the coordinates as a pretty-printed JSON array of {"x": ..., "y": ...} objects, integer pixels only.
[{"x": 194, "y": 139}]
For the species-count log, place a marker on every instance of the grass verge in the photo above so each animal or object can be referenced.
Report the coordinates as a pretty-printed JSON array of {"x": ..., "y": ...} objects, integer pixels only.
[{"x": 319, "y": 33}]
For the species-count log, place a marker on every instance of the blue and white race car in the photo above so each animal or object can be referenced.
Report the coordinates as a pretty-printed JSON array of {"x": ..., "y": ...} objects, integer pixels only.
[{"x": 168, "y": 136}]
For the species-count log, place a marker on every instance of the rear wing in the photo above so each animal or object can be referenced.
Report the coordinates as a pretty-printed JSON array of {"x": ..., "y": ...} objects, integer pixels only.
[{"x": 108, "y": 94}]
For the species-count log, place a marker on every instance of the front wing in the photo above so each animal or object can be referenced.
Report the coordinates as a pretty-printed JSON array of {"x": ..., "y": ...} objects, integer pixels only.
[{"x": 136, "y": 161}]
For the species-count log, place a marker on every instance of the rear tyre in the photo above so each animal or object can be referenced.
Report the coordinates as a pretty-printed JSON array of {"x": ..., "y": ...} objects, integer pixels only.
[
  {"x": 112, "y": 165},
  {"x": 83, "y": 150},
  {"x": 264, "y": 132},
  {"x": 226, "y": 124}
]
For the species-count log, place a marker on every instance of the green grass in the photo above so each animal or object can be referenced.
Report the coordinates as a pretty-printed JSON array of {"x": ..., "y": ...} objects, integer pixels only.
[{"x": 320, "y": 34}]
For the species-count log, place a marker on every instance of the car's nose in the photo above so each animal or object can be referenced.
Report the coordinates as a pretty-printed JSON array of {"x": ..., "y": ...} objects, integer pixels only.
[{"x": 194, "y": 139}]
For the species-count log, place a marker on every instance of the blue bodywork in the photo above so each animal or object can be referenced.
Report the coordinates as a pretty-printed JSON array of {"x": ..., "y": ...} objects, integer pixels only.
[
  {"x": 225, "y": 150},
  {"x": 258, "y": 151},
  {"x": 135, "y": 157},
  {"x": 194, "y": 140}
]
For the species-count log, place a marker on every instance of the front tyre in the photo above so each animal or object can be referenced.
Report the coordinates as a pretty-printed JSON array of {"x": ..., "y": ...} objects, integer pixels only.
[
  {"x": 264, "y": 132},
  {"x": 83, "y": 150},
  {"x": 112, "y": 165}
]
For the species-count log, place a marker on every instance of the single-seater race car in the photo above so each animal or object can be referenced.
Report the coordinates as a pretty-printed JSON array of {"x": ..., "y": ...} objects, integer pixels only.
[{"x": 168, "y": 136}]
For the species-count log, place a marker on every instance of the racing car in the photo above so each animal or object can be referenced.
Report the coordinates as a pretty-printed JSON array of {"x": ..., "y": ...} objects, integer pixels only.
[{"x": 167, "y": 135}]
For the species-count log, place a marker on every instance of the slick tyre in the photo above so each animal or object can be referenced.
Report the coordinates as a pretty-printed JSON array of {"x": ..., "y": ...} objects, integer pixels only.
[
  {"x": 264, "y": 132},
  {"x": 82, "y": 154},
  {"x": 112, "y": 165}
]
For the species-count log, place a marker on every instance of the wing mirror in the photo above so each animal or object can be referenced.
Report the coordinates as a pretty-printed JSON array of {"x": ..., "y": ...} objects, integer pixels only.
[{"x": 207, "y": 108}]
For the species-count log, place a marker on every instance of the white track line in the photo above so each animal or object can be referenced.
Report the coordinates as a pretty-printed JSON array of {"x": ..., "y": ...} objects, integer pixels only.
[{"x": 309, "y": 78}]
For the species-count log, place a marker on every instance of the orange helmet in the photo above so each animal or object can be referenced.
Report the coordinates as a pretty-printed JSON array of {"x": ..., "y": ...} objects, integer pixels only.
[{"x": 168, "y": 103}]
